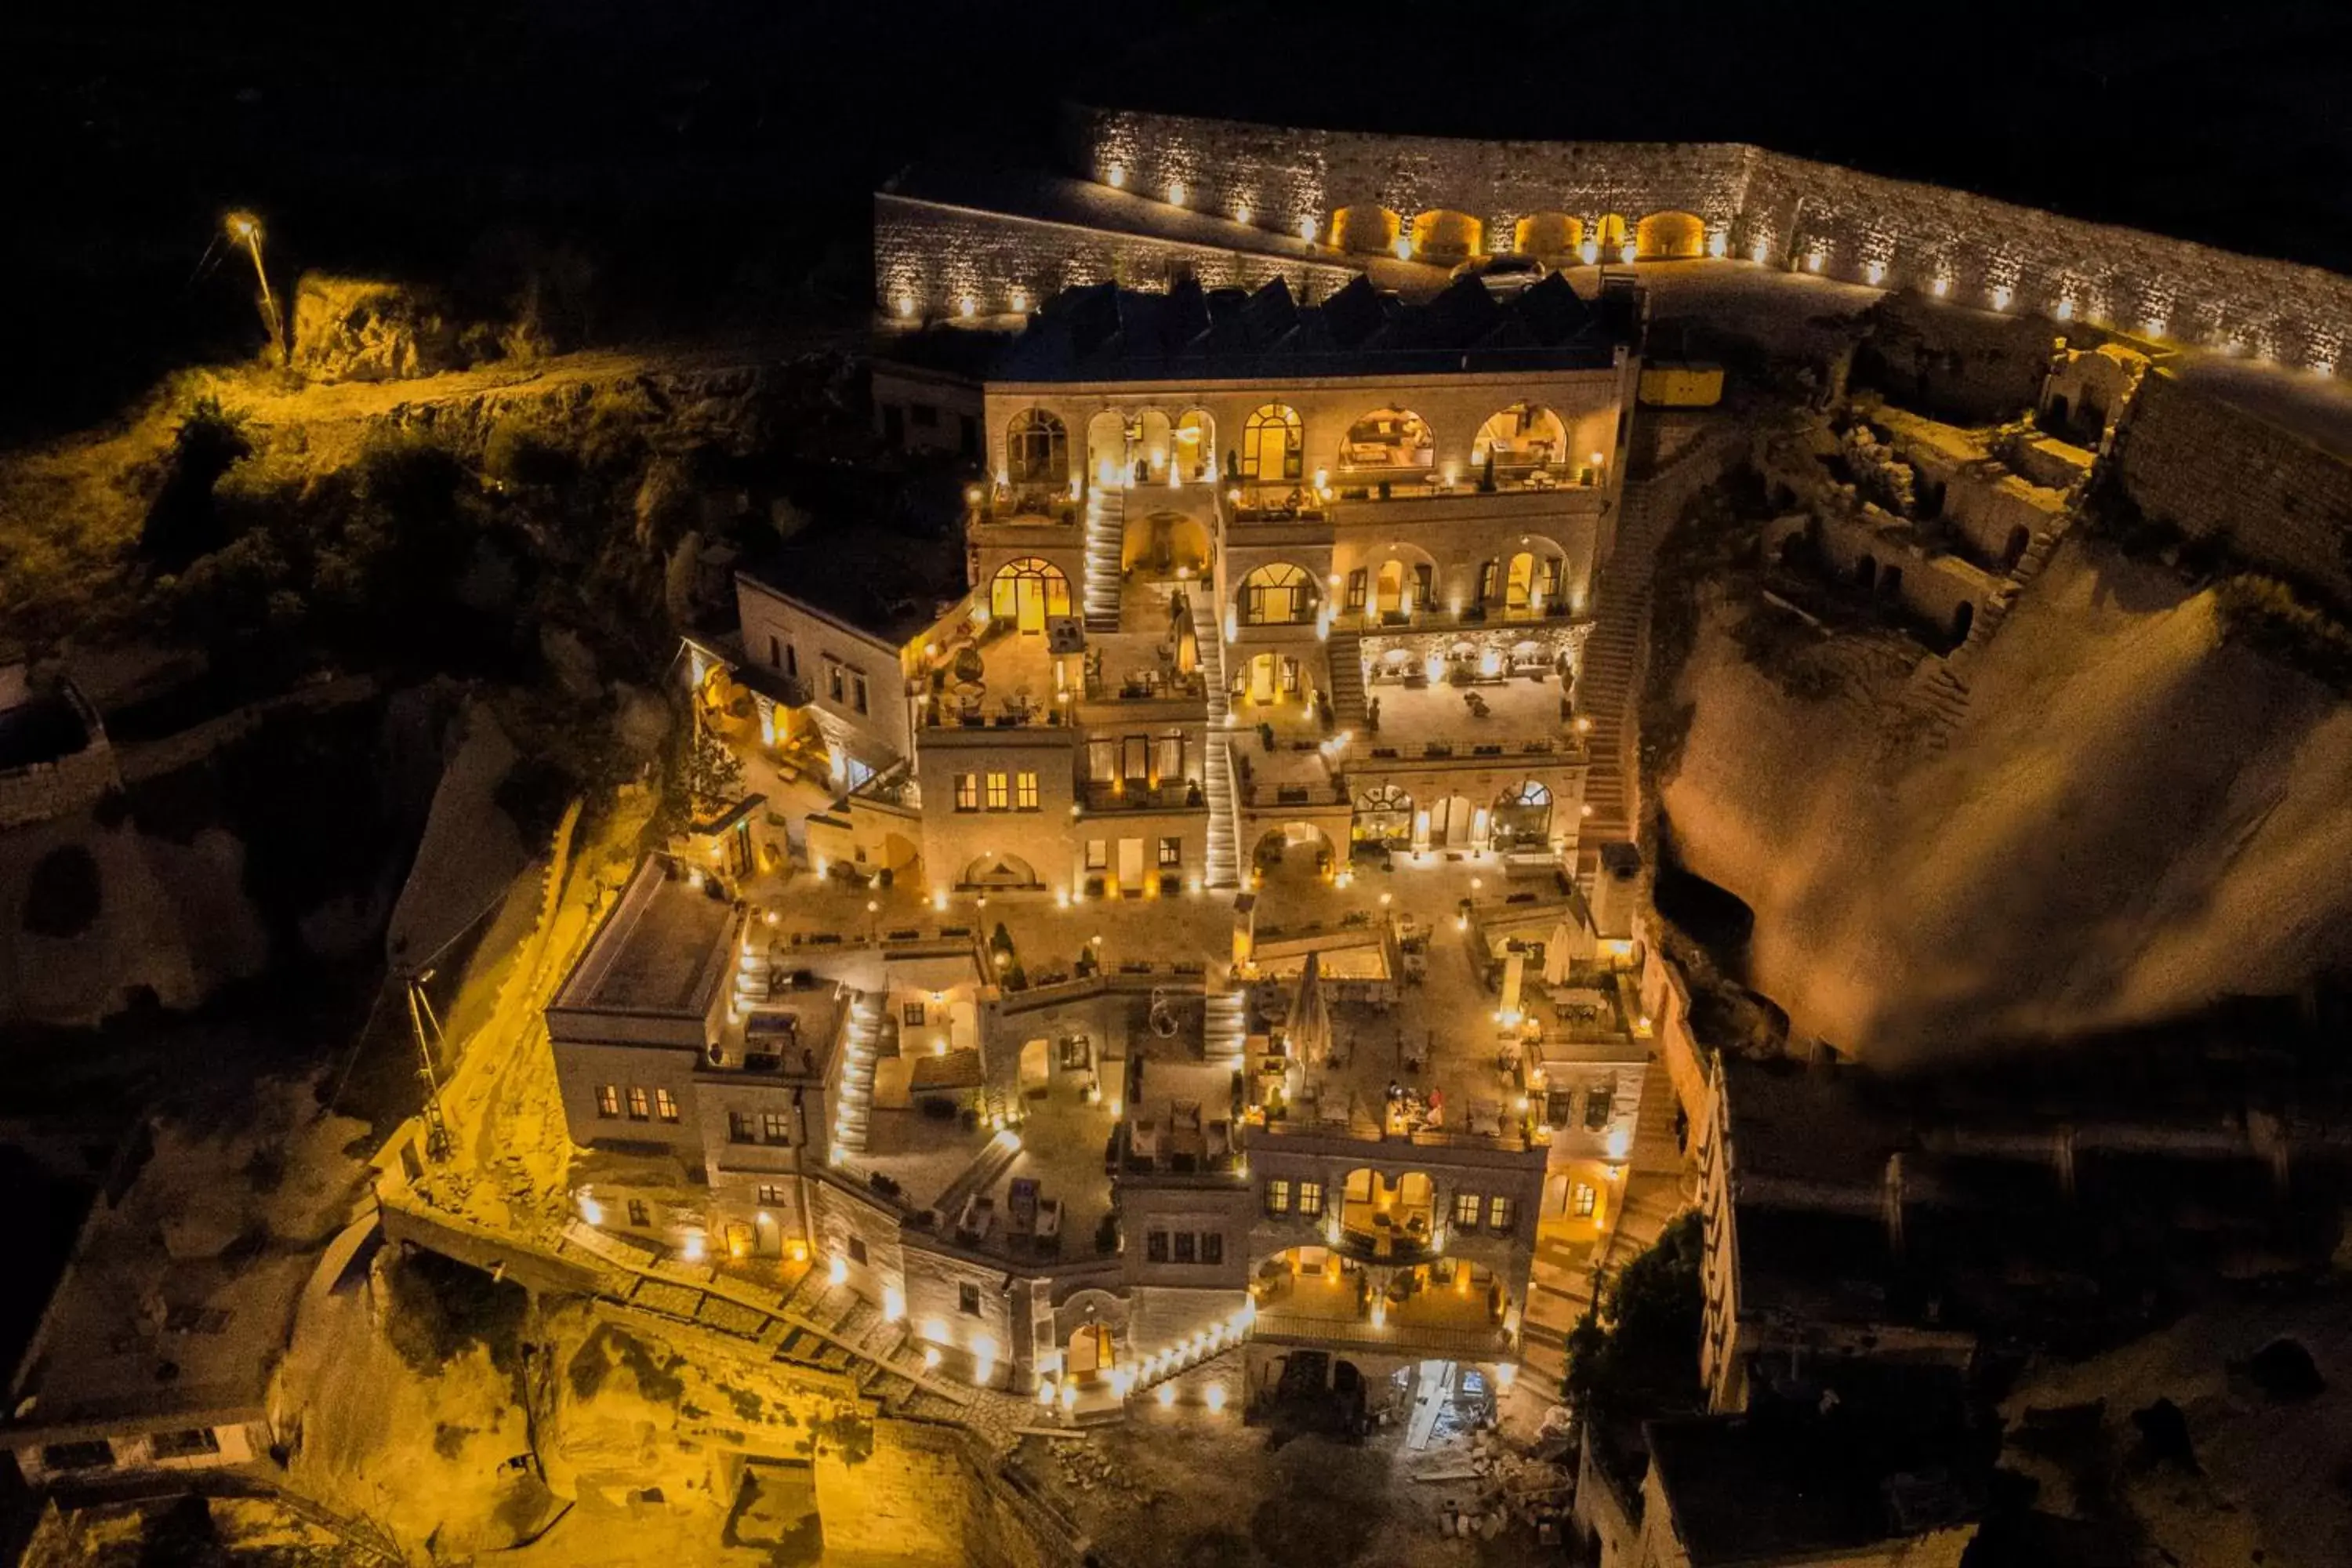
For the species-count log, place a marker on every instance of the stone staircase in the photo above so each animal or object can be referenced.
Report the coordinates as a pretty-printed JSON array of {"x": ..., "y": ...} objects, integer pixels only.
[
  {"x": 1223, "y": 853},
  {"x": 1560, "y": 1288},
  {"x": 1224, "y": 1027},
  {"x": 1106, "y": 537},
  {"x": 1346, "y": 655},
  {"x": 862, "y": 1039},
  {"x": 994, "y": 1160}
]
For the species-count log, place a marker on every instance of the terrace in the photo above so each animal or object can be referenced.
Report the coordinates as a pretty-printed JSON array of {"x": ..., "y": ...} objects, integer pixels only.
[
  {"x": 1519, "y": 708},
  {"x": 1314, "y": 1295},
  {"x": 1002, "y": 679}
]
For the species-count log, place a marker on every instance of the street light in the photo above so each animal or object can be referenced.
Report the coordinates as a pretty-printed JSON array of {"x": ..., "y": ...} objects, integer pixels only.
[{"x": 245, "y": 231}]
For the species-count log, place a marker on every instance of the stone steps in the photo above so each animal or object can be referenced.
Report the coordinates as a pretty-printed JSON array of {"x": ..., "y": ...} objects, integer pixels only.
[
  {"x": 1224, "y": 853},
  {"x": 854, "y": 1115},
  {"x": 1347, "y": 656},
  {"x": 1106, "y": 537}
]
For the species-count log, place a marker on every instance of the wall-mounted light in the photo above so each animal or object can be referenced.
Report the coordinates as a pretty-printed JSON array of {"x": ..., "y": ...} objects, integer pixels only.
[{"x": 1116, "y": 178}]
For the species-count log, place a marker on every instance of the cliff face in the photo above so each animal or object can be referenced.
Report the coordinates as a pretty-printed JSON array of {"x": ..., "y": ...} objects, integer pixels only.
[{"x": 2131, "y": 819}]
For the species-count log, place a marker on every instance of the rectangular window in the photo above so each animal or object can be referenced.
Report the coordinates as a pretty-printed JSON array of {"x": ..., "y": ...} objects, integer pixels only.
[
  {"x": 1581, "y": 1200},
  {"x": 967, "y": 792},
  {"x": 1553, "y": 570},
  {"x": 665, "y": 1105},
  {"x": 775, "y": 653},
  {"x": 1078, "y": 1053},
  {"x": 771, "y": 1195},
  {"x": 1171, "y": 853},
  {"x": 1185, "y": 1250},
  {"x": 1213, "y": 1246},
  {"x": 1135, "y": 758},
  {"x": 791, "y": 661},
  {"x": 1155, "y": 1247},
  {"x": 1024, "y": 791},
  {"x": 1356, "y": 586},
  {"x": 968, "y": 1299},
  {"x": 1097, "y": 854},
  {"x": 1598, "y": 1102},
  {"x": 775, "y": 1127},
  {"x": 857, "y": 1249},
  {"x": 640, "y": 1214},
  {"x": 1425, "y": 576},
  {"x": 1277, "y": 1195},
  {"x": 1486, "y": 576},
  {"x": 1465, "y": 1210},
  {"x": 911, "y": 1014},
  {"x": 1102, "y": 761},
  {"x": 641, "y": 1106},
  {"x": 1500, "y": 1212},
  {"x": 742, "y": 1128},
  {"x": 834, "y": 685},
  {"x": 608, "y": 1099},
  {"x": 187, "y": 1445},
  {"x": 999, "y": 796},
  {"x": 1310, "y": 1199},
  {"x": 1170, "y": 761},
  {"x": 861, "y": 693}
]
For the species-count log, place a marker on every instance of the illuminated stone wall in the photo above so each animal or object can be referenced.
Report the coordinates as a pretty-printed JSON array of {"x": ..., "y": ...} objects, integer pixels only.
[
  {"x": 1839, "y": 222},
  {"x": 2210, "y": 469},
  {"x": 930, "y": 259},
  {"x": 925, "y": 1494}
]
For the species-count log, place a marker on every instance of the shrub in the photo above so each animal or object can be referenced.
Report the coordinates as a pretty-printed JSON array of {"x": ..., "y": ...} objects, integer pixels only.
[
  {"x": 2266, "y": 614},
  {"x": 64, "y": 895}
]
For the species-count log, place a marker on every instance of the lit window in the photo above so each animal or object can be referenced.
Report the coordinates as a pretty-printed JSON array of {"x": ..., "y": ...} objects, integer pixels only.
[
  {"x": 1024, "y": 791},
  {"x": 911, "y": 1014},
  {"x": 1500, "y": 1212},
  {"x": 1310, "y": 1199},
  {"x": 640, "y": 1105},
  {"x": 1597, "y": 1104},
  {"x": 1169, "y": 757},
  {"x": 771, "y": 1195},
  {"x": 1155, "y": 1247},
  {"x": 1171, "y": 852},
  {"x": 1465, "y": 1210},
  {"x": 999, "y": 796},
  {"x": 967, "y": 792},
  {"x": 1277, "y": 1195},
  {"x": 1097, "y": 854},
  {"x": 608, "y": 1099},
  {"x": 1581, "y": 1199},
  {"x": 968, "y": 1299},
  {"x": 775, "y": 1127},
  {"x": 665, "y": 1104},
  {"x": 835, "y": 686},
  {"x": 742, "y": 1127}
]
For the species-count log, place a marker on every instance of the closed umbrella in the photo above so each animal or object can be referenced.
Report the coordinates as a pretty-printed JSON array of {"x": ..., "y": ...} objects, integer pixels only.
[
  {"x": 1310, "y": 1019},
  {"x": 1558, "y": 955},
  {"x": 1188, "y": 639}
]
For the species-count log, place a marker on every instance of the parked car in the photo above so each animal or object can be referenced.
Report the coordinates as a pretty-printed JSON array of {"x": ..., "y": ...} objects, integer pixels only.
[{"x": 1504, "y": 275}]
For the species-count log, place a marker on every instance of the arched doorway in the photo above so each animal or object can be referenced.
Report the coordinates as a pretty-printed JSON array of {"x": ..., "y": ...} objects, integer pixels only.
[
  {"x": 1548, "y": 237},
  {"x": 1278, "y": 595},
  {"x": 1442, "y": 235},
  {"x": 1294, "y": 849},
  {"x": 2021, "y": 539},
  {"x": 1271, "y": 678},
  {"x": 1609, "y": 239},
  {"x": 1670, "y": 236},
  {"x": 1964, "y": 616},
  {"x": 1384, "y": 815},
  {"x": 1036, "y": 449},
  {"x": 1024, "y": 593},
  {"x": 1107, "y": 449},
  {"x": 1523, "y": 817},
  {"x": 1524, "y": 436},
  {"x": 1386, "y": 439},
  {"x": 1091, "y": 1350},
  {"x": 1000, "y": 871},
  {"x": 1452, "y": 822},
  {"x": 1865, "y": 573},
  {"x": 1194, "y": 441},
  {"x": 1273, "y": 444},
  {"x": 1365, "y": 228},
  {"x": 1165, "y": 544},
  {"x": 1155, "y": 443}
]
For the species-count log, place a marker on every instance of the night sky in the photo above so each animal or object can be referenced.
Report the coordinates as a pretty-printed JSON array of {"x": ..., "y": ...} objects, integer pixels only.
[{"x": 694, "y": 145}]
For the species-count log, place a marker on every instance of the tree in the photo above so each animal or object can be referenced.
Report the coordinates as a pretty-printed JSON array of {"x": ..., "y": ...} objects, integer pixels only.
[
  {"x": 1635, "y": 1350},
  {"x": 713, "y": 774}
]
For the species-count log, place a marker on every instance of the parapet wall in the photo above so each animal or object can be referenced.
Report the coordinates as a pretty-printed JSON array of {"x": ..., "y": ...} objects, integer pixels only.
[{"x": 1763, "y": 206}]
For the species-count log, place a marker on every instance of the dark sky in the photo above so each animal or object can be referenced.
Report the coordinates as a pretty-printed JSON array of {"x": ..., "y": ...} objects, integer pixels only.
[{"x": 689, "y": 143}]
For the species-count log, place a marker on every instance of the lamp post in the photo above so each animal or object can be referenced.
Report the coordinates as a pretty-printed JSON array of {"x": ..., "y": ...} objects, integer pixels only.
[{"x": 246, "y": 229}]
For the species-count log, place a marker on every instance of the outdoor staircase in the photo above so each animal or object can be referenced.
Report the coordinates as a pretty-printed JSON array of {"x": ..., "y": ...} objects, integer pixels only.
[
  {"x": 1225, "y": 1029},
  {"x": 994, "y": 1160},
  {"x": 1106, "y": 537},
  {"x": 1217, "y": 768},
  {"x": 855, "y": 1114},
  {"x": 1346, "y": 655}
]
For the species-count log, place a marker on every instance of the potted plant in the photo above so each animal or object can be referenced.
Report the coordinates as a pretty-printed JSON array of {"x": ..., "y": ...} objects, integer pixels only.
[{"x": 1266, "y": 735}]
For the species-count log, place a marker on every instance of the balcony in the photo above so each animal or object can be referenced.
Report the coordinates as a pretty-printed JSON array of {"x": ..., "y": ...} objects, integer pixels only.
[
  {"x": 1429, "y": 618},
  {"x": 1137, "y": 794},
  {"x": 1410, "y": 1311},
  {"x": 1021, "y": 507},
  {"x": 1403, "y": 490}
]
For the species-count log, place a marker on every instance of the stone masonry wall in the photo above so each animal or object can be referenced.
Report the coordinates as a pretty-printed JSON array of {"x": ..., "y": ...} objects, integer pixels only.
[
  {"x": 1838, "y": 222},
  {"x": 923, "y": 1494},
  {"x": 2210, "y": 468},
  {"x": 930, "y": 259}
]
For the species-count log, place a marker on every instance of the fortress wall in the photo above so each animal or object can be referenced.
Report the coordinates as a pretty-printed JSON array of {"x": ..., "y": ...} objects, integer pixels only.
[
  {"x": 936, "y": 255},
  {"x": 1284, "y": 175},
  {"x": 2210, "y": 468},
  {"x": 1863, "y": 227}
]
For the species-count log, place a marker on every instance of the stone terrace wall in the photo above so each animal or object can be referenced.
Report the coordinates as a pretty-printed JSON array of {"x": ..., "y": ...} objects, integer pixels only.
[
  {"x": 2210, "y": 468},
  {"x": 1839, "y": 222},
  {"x": 1284, "y": 175},
  {"x": 933, "y": 256}
]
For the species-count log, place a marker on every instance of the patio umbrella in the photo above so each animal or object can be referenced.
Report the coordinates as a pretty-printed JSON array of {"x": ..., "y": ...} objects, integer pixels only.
[
  {"x": 1557, "y": 956},
  {"x": 1514, "y": 968},
  {"x": 1310, "y": 1020},
  {"x": 1188, "y": 638}
]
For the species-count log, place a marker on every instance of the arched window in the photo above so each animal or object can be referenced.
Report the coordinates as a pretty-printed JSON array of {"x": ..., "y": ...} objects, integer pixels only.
[
  {"x": 1669, "y": 236},
  {"x": 1384, "y": 815},
  {"x": 1524, "y": 436},
  {"x": 1278, "y": 594},
  {"x": 1195, "y": 444},
  {"x": 1548, "y": 234},
  {"x": 1389, "y": 438},
  {"x": 1523, "y": 816},
  {"x": 1272, "y": 444},
  {"x": 1036, "y": 449},
  {"x": 1025, "y": 592}
]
